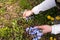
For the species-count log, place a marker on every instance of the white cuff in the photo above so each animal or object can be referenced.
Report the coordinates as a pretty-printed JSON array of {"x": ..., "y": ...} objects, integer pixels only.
[
  {"x": 56, "y": 29},
  {"x": 36, "y": 9}
]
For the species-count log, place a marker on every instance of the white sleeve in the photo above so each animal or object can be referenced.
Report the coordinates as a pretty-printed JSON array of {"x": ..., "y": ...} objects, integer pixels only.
[
  {"x": 56, "y": 29},
  {"x": 45, "y": 5}
]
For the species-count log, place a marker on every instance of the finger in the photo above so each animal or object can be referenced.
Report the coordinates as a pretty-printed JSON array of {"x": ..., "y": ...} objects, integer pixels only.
[
  {"x": 44, "y": 32},
  {"x": 24, "y": 14},
  {"x": 40, "y": 27}
]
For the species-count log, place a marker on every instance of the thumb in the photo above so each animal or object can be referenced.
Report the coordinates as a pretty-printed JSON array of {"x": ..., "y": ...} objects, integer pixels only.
[
  {"x": 24, "y": 13},
  {"x": 44, "y": 31}
]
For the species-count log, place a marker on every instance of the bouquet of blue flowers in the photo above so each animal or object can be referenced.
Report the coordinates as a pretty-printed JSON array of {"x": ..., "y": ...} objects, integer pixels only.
[{"x": 35, "y": 32}]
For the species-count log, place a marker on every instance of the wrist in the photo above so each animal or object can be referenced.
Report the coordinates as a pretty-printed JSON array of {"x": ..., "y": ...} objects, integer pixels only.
[
  {"x": 32, "y": 12},
  {"x": 50, "y": 28}
]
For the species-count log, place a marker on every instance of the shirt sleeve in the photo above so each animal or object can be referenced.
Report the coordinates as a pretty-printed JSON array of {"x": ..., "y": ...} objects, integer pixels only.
[
  {"x": 45, "y": 5},
  {"x": 56, "y": 29}
]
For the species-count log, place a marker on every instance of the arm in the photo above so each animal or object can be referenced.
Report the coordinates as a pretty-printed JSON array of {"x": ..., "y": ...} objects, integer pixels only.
[
  {"x": 45, "y": 5},
  {"x": 55, "y": 29}
]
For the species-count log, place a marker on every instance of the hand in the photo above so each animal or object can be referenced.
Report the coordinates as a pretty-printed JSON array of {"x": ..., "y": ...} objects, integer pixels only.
[
  {"x": 27, "y": 13},
  {"x": 45, "y": 28}
]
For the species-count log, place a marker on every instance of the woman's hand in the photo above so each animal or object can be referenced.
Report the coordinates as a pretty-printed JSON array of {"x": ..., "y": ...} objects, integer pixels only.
[
  {"x": 45, "y": 28},
  {"x": 27, "y": 13}
]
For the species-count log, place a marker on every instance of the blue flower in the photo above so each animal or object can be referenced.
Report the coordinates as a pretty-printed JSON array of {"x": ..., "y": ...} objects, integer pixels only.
[
  {"x": 27, "y": 29},
  {"x": 35, "y": 32},
  {"x": 35, "y": 38}
]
